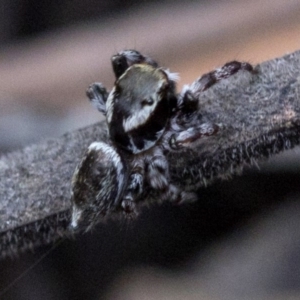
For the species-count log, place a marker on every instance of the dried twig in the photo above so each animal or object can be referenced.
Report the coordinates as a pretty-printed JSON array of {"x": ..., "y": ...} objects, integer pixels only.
[{"x": 260, "y": 115}]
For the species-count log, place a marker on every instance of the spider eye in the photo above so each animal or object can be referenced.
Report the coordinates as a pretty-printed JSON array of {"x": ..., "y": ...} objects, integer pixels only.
[
  {"x": 120, "y": 65},
  {"x": 147, "y": 102}
]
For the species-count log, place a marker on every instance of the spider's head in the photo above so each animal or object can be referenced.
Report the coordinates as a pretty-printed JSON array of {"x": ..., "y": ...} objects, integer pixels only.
[
  {"x": 96, "y": 186},
  {"x": 126, "y": 58},
  {"x": 139, "y": 107}
]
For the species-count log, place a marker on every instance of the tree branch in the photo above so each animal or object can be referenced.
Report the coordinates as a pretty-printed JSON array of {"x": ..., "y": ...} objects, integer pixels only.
[{"x": 259, "y": 116}]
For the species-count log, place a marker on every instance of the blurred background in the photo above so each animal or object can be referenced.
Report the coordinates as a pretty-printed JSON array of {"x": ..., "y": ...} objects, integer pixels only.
[{"x": 241, "y": 241}]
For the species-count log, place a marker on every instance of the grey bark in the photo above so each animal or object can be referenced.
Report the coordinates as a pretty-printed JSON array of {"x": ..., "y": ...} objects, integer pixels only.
[{"x": 259, "y": 116}]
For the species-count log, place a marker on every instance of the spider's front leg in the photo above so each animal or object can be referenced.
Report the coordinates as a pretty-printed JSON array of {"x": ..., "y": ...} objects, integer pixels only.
[
  {"x": 189, "y": 96},
  {"x": 188, "y": 105},
  {"x": 97, "y": 95},
  {"x": 209, "y": 79}
]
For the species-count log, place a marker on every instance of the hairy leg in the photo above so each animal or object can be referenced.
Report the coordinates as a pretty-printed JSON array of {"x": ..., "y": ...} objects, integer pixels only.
[{"x": 97, "y": 95}]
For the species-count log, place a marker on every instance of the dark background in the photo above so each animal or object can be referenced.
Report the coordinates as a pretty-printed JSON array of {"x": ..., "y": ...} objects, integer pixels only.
[{"x": 240, "y": 240}]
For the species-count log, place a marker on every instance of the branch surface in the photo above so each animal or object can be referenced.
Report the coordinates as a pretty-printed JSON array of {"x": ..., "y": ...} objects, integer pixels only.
[{"x": 259, "y": 115}]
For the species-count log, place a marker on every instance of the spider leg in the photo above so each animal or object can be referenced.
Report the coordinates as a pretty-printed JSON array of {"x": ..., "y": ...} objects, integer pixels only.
[
  {"x": 211, "y": 78},
  {"x": 185, "y": 137},
  {"x": 159, "y": 179},
  {"x": 134, "y": 188},
  {"x": 229, "y": 69},
  {"x": 187, "y": 102},
  {"x": 98, "y": 94}
]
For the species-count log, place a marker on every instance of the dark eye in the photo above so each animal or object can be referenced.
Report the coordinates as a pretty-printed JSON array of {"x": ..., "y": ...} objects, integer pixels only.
[
  {"x": 148, "y": 101},
  {"x": 119, "y": 64}
]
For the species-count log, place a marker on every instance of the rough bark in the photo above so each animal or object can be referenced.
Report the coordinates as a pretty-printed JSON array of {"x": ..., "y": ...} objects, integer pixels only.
[{"x": 260, "y": 115}]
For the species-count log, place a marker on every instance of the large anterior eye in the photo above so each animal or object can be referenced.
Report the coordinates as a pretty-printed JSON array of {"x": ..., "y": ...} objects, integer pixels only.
[
  {"x": 147, "y": 101},
  {"x": 119, "y": 64}
]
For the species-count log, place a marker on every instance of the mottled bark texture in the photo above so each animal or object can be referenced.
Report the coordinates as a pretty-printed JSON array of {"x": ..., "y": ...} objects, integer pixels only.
[{"x": 259, "y": 116}]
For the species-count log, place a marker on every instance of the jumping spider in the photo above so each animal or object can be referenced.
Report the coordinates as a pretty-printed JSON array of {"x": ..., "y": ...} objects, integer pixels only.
[{"x": 146, "y": 119}]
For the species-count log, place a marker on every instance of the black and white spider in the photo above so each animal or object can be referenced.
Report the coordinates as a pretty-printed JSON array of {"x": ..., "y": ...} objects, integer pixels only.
[{"x": 146, "y": 119}]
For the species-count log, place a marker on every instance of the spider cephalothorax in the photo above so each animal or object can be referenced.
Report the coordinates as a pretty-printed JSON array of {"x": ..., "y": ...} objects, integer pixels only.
[
  {"x": 146, "y": 119},
  {"x": 137, "y": 118}
]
